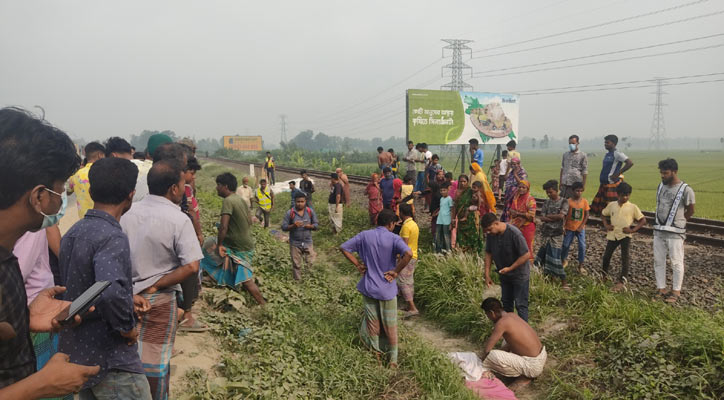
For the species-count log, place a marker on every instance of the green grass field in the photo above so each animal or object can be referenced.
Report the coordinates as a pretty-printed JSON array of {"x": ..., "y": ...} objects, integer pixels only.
[{"x": 703, "y": 171}]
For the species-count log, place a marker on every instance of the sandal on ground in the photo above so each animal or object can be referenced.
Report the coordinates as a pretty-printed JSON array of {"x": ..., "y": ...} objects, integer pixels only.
[
  {"x": 566, "y": 288},
  {"x": 671, "y": 298},
  {"x": 582, "y": 271},
  {"x": 409, "y": 314},
  {"x": 619, "y": 287},
  {"x": 195, "y": 327}
]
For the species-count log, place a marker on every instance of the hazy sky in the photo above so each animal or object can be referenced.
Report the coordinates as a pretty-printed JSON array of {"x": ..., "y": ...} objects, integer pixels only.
[{"x": 212, "y": 68}]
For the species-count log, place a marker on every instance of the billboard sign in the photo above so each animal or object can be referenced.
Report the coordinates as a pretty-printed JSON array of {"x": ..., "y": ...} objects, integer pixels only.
[
  {"x": 444, "y": 117},
  {"x": 243, "y": 143}
]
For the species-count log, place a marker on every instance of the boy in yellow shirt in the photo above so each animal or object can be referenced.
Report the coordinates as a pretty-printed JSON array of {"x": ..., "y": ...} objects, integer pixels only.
[
  {"x": 406, "y": 190},
  {"x": 622, "y": 214},
  {"x": 406, "y": 278}
]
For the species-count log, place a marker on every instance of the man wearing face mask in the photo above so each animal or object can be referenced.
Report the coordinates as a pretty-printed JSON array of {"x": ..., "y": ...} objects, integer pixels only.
[
  {"x": 32, "y": 198},
  {"x": 164, "y": 252},
  {"x": 574, "y": 167}
]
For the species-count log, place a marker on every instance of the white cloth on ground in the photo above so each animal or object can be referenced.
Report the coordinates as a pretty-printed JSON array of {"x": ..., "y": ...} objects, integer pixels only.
[
  {"x": 470, "y": 363},
  {"x": 512, "y": 365}
]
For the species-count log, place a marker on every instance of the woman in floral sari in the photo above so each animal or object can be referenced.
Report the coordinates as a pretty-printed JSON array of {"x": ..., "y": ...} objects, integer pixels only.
[
  {"x": 516, "y": 173},
  {"x": 522, "y": 213},
  {"x": 375, "y": 198},
  {"x": 469, "y": 232}
]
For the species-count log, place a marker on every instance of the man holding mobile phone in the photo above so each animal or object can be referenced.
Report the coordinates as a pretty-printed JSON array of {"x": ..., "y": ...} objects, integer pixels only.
[
  {"x": 36, "y": 159},
  {"x": 96, "y": 249}
]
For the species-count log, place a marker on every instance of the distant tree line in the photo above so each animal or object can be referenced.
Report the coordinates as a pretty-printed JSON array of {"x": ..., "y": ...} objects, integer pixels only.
[{"x": 307, "y": 140}]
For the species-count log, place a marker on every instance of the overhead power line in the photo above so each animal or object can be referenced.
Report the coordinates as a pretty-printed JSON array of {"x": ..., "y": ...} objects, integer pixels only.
[
  {"x": 382, "y": 91},
  {"x": 614, "y": 83},
  {"x": 604, "y": 61},
  {"x": 602, "y": 35},
  {"x": 625, "y": 87},
  {"x": 602, "y": 54},
  {"x": 616, "y": 21}
]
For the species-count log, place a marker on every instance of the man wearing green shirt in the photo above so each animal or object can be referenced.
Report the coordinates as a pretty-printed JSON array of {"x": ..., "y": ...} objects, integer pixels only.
[{"x": 235, "y": 243}]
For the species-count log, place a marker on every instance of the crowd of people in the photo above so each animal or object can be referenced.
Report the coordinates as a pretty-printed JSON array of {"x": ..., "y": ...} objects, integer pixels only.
[
  {"x": 139, "y": 230},
  {"x": 464, "y": 217}
]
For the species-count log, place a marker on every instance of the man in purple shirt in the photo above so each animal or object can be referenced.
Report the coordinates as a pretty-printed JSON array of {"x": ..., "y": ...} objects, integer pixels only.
[
  {"x": 96, "y": 249},
  {"x": 378, "y": 248}
]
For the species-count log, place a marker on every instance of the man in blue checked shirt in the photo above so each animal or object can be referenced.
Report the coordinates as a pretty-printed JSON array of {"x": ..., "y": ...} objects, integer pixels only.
[
  {"x": 300, "y": 221},
  {"x": 96, "y": 249}
]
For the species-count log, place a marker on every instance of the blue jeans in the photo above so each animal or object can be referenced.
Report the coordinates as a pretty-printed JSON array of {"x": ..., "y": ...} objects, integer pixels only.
[
  {"x": 568, "y": 240},
  {"x": 420, "y": 182},
  {"x": 118, "y": 385},
  {"x": 515, "y": 293}
]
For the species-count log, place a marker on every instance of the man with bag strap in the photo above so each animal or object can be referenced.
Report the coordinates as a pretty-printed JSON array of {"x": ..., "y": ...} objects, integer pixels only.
[
  {"x": 674, "y": 206},
  {"x": 264, "y": 197},
  {"x": 300, "y": 221}
]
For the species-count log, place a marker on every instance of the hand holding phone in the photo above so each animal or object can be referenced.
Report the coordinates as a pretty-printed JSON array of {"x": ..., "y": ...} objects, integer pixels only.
[{"x": 82, "y": 304}]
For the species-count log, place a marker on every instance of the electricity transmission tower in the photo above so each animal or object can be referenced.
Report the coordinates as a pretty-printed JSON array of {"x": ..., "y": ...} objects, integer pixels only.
[
  {"x": 657, "y": 139},
  {"x": 283, "y": 123},
  {"x": 457, "y": 66}
]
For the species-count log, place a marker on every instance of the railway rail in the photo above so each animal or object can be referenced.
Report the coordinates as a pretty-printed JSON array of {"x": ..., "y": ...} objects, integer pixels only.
[{"x": 699, "y": 230}]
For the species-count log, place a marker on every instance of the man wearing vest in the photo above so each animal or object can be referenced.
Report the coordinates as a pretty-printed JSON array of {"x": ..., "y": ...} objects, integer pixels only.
[
  {"x": 265, "y": 199},
  {"x": 269, "y": 168},
  {"x": 674, "y": 206},
  {"x": 300, "y": 221}
]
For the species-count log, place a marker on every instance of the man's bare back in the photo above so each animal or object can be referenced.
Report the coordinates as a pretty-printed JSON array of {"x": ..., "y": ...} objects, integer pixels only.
[
  {"x": 385, "y": 158},
  {"x": 521, "y": 339}
]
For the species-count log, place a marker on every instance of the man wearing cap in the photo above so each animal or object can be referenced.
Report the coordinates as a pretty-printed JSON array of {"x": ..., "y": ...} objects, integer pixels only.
[{"x": 145, "y": 165}]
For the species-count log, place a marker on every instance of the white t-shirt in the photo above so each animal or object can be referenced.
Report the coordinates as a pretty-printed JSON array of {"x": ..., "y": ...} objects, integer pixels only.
[{"x": 503, "y": 166}]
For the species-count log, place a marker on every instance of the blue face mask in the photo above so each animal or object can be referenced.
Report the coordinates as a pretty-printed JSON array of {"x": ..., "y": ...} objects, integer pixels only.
[
  {"x": 50, "y": 220},
  {"x": 572, "y": 146}
]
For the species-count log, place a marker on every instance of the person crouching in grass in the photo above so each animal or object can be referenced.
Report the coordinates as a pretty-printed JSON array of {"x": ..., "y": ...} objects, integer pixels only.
[{"x": 553, "y": 213}]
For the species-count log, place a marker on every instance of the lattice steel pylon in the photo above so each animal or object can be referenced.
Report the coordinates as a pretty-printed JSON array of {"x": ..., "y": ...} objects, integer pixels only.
[
  {"x": 457, "y": 66},
  {"x": 283, "y": 123},
  {"x": 657, "y": 139}
]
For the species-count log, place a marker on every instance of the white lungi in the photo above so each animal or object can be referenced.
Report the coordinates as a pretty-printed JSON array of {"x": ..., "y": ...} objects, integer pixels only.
[{"x": 512, "y": 365}]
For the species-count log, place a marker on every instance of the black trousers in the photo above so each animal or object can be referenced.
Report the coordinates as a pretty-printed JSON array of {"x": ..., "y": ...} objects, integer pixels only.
[
  {"x": 190, "y": 288},
  {"x": 611, "y": 246},
  {"x": 515, "y": 293}
]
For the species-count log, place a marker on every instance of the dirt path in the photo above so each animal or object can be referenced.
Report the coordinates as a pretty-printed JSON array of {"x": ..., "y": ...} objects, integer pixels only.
[{"x": 193, "y": 350}]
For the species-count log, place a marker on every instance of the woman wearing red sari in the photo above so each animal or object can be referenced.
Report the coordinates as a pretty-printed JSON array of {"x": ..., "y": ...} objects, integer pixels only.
[
  {"x": 522, "y": 213},
  {"x": 375, "y": 198}
]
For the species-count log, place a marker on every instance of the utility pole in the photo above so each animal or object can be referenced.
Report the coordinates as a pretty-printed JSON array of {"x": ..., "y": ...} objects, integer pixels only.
[
  {"x": 283, "y": 122},
  {"x": 457, "y": 68},
  {"x": 657, "y": 139}
]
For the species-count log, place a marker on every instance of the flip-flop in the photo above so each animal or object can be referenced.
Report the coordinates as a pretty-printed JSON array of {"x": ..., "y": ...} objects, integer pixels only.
[
  {"x": 195, "y": 327},
  {"x": 409, "y": 314}
]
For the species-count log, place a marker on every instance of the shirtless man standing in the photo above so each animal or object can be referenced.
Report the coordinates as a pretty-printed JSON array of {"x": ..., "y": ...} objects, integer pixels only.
[{"x": 522, "y": 356}]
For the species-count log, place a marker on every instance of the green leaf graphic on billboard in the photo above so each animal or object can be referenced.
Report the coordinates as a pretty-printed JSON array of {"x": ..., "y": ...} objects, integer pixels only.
[{"x": 435, "y": 117}]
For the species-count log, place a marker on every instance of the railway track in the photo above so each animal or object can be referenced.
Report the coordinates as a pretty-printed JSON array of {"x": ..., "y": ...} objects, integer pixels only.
[{"x": 699, "y": 230}]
